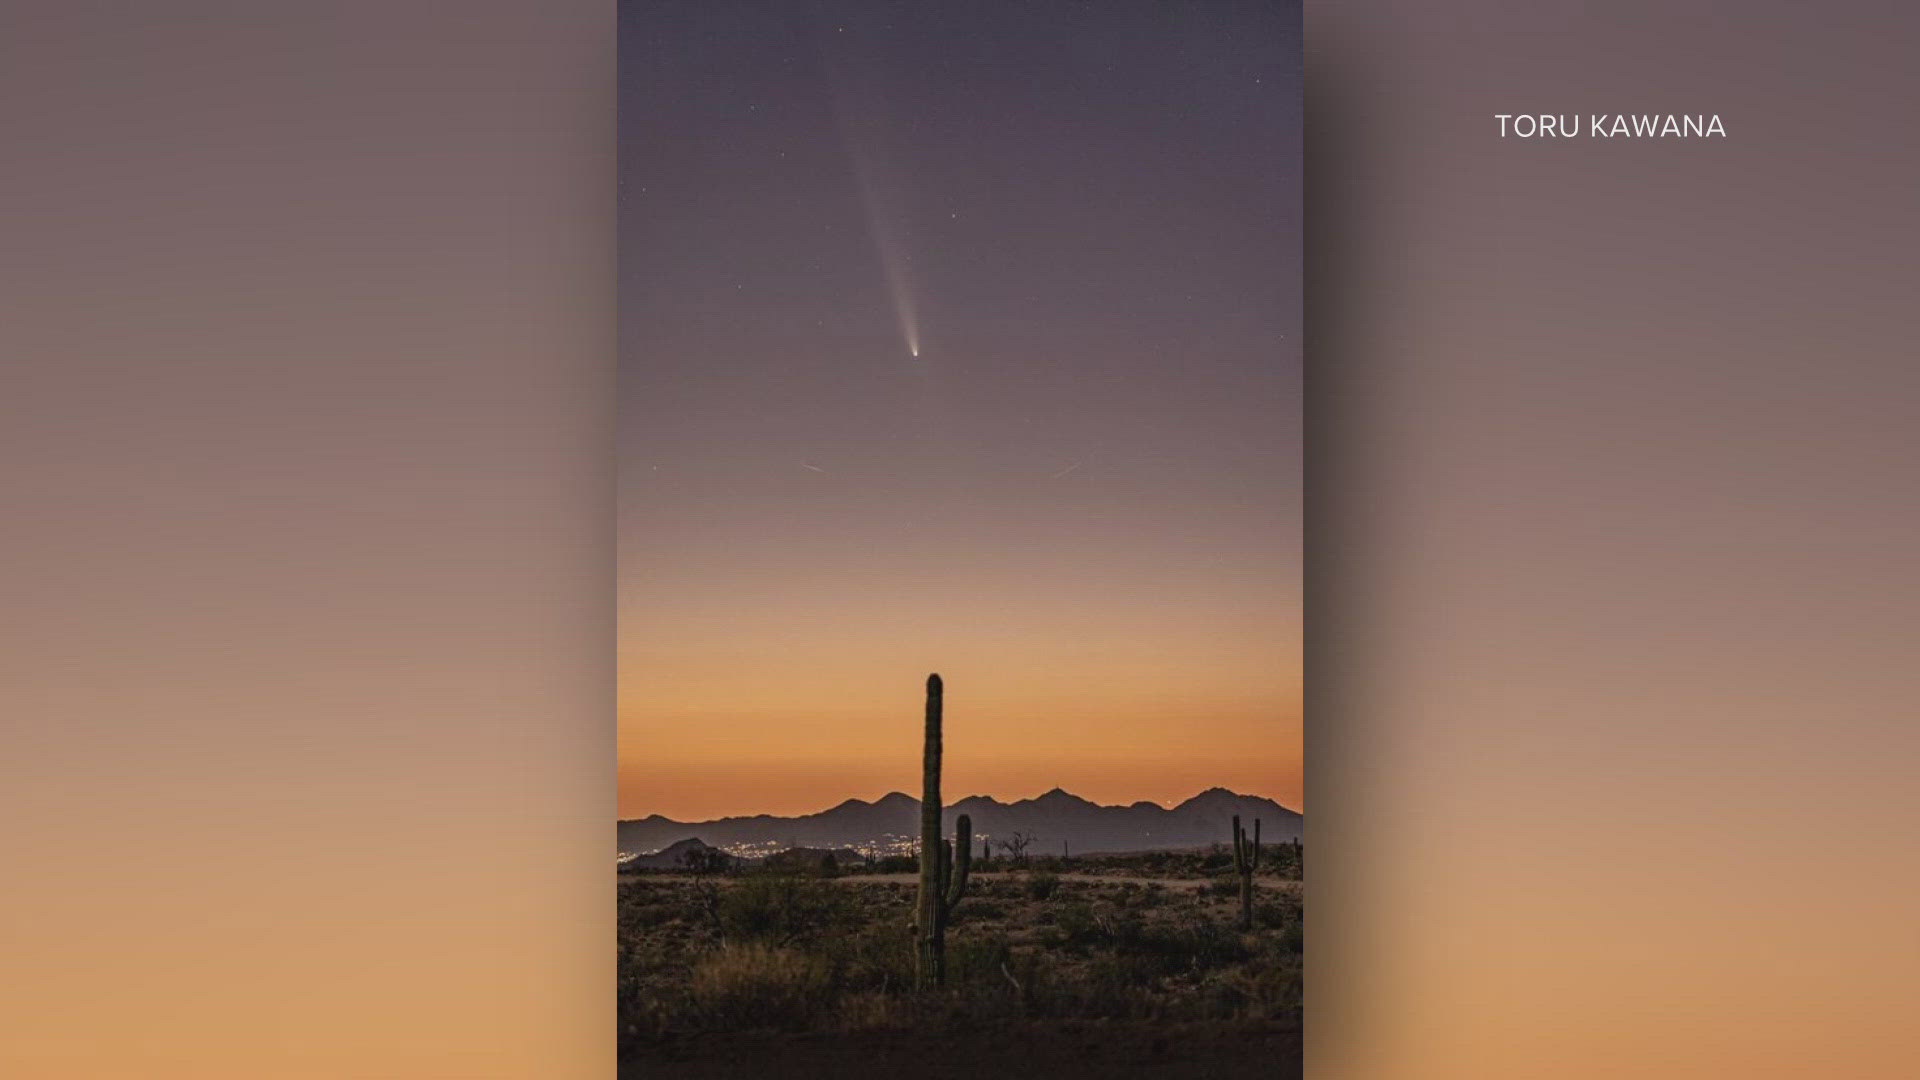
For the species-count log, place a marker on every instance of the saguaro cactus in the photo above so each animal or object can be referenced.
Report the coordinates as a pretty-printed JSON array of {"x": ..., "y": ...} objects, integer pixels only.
[
  {"x": 943, "y": 867},
  {"x": 1246, "y": 859}
]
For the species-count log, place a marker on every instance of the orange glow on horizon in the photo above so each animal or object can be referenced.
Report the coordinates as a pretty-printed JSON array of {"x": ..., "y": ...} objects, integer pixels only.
[
  {"x": 799, "y": 739},
  {"x": 788, "y": 791},
  {"x": 742, "y": 692}
]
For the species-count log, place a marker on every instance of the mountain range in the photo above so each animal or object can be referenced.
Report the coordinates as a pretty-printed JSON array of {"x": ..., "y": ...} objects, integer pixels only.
[{"x": 1054, "y": 819}]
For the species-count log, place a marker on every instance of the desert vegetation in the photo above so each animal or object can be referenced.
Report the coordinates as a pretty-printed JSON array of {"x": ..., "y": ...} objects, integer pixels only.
[
  {"x": 1153, "y": 938},
  {"x": 786, "y": 952},
  {"x": 1190, "y": 960}
]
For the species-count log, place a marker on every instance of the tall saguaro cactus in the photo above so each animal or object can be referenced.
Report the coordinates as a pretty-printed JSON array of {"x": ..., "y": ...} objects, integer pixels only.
[
  {"x": 943, "y": 867},
  {"x": 1246, "y": 859}
]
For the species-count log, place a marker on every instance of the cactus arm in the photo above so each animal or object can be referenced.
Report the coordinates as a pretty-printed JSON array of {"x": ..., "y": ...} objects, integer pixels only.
[
  {"x": 963, "y": 847},
  {"x": 1246, "y": 857}
]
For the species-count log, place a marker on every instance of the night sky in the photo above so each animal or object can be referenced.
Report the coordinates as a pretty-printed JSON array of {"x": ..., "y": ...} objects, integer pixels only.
[{"x": 1080, "y": 503}]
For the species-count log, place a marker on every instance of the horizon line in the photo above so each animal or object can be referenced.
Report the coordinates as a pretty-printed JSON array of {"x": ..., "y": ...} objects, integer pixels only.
[{"x": 990, "y": 798}]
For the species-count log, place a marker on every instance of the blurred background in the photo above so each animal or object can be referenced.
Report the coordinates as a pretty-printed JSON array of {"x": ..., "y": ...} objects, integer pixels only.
[
  {"x": 306, "y": 687},
  {"x": 1611, "y": 462}
]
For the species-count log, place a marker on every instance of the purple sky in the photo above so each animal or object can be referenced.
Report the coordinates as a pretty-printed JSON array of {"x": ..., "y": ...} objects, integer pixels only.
[{"x": 1087, "y": 217}]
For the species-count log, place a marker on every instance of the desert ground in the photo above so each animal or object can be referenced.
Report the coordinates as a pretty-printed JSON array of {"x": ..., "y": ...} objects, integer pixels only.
[{"x": 1114, "y": 965}]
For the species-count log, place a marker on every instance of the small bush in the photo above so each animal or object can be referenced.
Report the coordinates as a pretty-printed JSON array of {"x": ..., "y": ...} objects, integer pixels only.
[
  {"x": 975, "y": 960},
  {"x": 1258, "y": 992},
  {"x": 1294, "y": 938},
  {"x": 996, "y": 888},
  {"x": 876, "y": 958},
  {"x": 870, "y": 1009},
  {"x": 981, "y": 910},
  {"x": 642, "y": 905},
  {"x": 753, "y": 986},
  {"x": 1276, "y": 914},
  {"x": 1223, "y": 886},
  {"x": 1041, "y": 886},
  {"x": 1078, "y": 927},
  {"x": 778, "y": 910},
  {"x": 637, "y": 916}
]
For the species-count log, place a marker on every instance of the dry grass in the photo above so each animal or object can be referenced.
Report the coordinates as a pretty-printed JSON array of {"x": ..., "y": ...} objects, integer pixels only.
[
  {"x": 749, "y": 985},
  {"x": 1074, "y": 942}
]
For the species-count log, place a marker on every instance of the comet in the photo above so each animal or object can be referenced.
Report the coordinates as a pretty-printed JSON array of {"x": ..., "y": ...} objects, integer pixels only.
[
  {"x": 886, "y": 221},
  {"x": 888, "y": 228}
]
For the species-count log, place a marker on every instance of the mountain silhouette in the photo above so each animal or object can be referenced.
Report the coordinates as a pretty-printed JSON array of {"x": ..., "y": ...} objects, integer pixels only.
[
  {"x": 1053, "y": 818},
  {"x": 672, "y": 857}
]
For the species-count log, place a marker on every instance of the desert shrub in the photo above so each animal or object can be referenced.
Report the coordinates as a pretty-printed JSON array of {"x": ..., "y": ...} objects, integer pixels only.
[
  {"x": 1107, "y": 986},
  {"x": 1005, "y": 888},
  {"x": 643, "y": 904},
  {"x": 973, "y": 910},
  {"x": 1195, "y": 942},
  {"x": 781, "y": 910},
  {"x": 1164, "y": 947},
  {"x": 975, "y": 961},
  {"x": 1278, "y": 913},
  {"x": 658, "y": 913},
  {"x": 1077, "y": 927},
  {"x": 812, "y": 955},
  {"x": 869, "y": 1009},
  {"x": 876, "y": 960},
  {"x": 1263, "y": 991},
  {"x": 1293, "y": 939},
  {"x": 1222, "y": 886},
  {"x": 749, "y": 986},
  {"x": 896, "y": 864}
]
